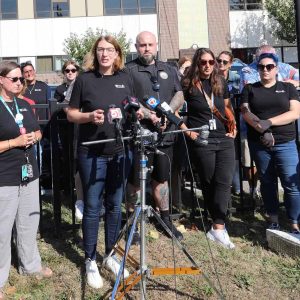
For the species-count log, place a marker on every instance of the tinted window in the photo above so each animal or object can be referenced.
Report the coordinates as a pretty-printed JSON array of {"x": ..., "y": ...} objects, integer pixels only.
[
  {"x": 43, "y": 8},
  {"x": 48, "y": 8},
  {"x": 147, "y": 6},
  {"x": 245, "y": 4},
  {"x": 8, "y": 9},
  {"x": 112, "y": 7},
  {"x": 130, "y": 7},
  {"x": 60, "y": 9}
]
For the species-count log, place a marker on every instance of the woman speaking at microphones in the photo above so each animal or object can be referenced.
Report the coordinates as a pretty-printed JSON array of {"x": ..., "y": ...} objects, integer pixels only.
[{"x": 94, "y": 103}]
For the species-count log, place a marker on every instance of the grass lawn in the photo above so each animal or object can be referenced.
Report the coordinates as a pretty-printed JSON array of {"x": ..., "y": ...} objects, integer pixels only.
[{"x": 251, "y": 271}]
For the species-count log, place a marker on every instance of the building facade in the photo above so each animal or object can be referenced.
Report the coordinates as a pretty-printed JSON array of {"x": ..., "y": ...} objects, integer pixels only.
[{"x": 35, "y": 30}]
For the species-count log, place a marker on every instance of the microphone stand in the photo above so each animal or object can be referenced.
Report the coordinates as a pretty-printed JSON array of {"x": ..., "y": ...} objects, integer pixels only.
[{"x": 142, "y": 211}]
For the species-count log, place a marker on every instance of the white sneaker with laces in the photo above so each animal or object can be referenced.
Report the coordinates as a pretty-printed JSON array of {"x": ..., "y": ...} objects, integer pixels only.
[
  {"x": 112, "y": 264},
  {"x": 94, "y": 278},
  {"x": 220, "y": 236},
  {"x": 79, "y": 205}
]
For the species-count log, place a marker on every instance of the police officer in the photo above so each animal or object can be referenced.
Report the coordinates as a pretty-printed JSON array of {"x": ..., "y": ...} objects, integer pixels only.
[{"x": 155, "y": 78}]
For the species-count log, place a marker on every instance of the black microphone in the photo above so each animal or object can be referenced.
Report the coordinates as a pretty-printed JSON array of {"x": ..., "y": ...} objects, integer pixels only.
[{"x": 161, "y": 109}]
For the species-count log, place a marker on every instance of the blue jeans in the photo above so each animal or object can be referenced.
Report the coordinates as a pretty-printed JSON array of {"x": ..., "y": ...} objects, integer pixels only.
[
  {"x": 280, "y": 160},
  {"x": 99, "y": 174}
]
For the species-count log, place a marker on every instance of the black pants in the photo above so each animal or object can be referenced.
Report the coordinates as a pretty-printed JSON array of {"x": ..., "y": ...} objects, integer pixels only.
[{"x": 215, "y": 166}]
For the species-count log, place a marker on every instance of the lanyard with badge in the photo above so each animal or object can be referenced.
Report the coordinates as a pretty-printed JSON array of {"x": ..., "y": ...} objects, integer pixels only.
[
  {"x": 27, "y": 171},
  {"x": 210, "y": 101}
]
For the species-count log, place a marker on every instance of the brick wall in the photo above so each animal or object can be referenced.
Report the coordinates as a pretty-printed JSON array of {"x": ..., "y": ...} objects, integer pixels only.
[
  {"x": 218, "y": 25},
  {"x": 168, "y": 29}
]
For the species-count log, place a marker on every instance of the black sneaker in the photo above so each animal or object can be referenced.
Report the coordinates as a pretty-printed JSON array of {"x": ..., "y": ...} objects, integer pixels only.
[{"x": 173, "y": 229}]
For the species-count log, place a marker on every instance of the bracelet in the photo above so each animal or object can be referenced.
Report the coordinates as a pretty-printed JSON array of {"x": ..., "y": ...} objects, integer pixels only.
[{"x": 8, "y": 144}]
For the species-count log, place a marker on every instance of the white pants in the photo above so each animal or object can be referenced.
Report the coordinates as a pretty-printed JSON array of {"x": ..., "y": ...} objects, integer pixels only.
[{"x": 19, "y": 210}]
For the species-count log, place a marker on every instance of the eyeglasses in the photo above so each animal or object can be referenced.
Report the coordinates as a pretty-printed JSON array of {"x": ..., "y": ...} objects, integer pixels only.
[
  {"x": 15, "y": 79},
  {"x": 269, "y": 67},
  {"x": 203, "y": 62},
  {"x": 222, "y": 61},
  {"x": 70, "y": 70},
  {"x": 110, "y": 50}
]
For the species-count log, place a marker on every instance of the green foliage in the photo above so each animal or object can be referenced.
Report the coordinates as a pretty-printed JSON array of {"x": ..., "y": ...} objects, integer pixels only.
[
  {"x": 283, "y": 12},
  {"x": 244, "y": 280},
  {"x": 77, "y": 46}
]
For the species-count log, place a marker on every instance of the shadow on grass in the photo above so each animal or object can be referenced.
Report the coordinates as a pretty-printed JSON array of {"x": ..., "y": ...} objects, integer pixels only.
[{"x": 244, "y": 222}]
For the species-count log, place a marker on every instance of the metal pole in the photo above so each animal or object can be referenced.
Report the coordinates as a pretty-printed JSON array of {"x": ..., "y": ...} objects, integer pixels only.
[
  {"x": 143, "y": 180},
  {"x": 297, "y": 20}
]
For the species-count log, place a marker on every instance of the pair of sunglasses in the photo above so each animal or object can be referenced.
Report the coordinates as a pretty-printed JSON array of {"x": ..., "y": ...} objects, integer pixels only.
[
  {"x": 268, "y": 67},
  {"x": 222, "y": 61},
  {"x": 15, "y": 79},
  {"x": 203, "y": 62},
  {"x": 70, "y": 70}
]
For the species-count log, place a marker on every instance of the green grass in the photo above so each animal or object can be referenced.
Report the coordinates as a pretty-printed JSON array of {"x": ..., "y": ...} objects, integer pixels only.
[{"x": 251, "y": 271}]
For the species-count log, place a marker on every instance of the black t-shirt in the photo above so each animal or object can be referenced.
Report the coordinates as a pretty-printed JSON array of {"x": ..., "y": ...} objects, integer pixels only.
[
  {"x": 11, "y": 161},
  {"x": 199, "y": 112},
  {"x": 59, "y": 95},
  {"x": 60, "y": 92},
  {"x": 144, "y": 77},
  {"x": 266, "y": 103},
  {"x": 93, "y": 91},
  {"x": 40, "y": 93}
]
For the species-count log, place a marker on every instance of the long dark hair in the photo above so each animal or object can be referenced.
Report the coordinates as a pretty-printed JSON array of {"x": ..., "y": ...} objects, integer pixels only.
[{"x": 193, "y": 75}]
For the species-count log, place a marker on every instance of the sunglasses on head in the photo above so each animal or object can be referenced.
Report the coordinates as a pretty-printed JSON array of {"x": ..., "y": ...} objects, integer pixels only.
[
  {"x": 203, "y": 62},
  {"x": 222, "y": 61},
  {"x": 269, "y": 67},
  {"x": 15, "y": 79},
  {"x": 70, "y": 70}
]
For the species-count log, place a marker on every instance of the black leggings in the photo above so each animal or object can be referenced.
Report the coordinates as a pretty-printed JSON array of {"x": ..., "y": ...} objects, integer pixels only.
[{"x": 215, "y": 166}]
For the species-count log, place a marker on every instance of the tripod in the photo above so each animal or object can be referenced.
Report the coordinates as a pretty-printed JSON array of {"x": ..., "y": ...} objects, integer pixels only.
[{"x": 142, "y": 211}]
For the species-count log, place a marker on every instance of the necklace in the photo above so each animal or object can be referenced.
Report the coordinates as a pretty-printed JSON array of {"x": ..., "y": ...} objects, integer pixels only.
[
  {"x": 11, "y": 105},
  {"x": 30, "y": 91}
]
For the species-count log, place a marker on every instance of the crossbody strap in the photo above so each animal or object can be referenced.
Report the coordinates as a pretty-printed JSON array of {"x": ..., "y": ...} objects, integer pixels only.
[{"x": 213, "y": 108}]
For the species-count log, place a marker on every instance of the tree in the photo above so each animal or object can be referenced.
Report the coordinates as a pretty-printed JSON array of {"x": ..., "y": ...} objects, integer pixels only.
[
  {"x": 77, "y": 46},
  {"x": 283, "y": 12}
]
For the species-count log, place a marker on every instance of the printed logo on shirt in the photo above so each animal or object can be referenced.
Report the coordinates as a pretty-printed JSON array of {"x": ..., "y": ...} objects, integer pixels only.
[
  {"x": 23, "y": 109},
  {"x": 37, "y": 90},
  {"x": 120, "y": 86},
  {"x": 280, "y": 91}
]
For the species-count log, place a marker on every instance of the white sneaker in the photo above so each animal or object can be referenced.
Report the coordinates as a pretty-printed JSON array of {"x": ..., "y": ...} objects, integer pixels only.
[
  {"x": 220, "y": 236},
  {"x": 112, "y": 264},
  {"x": 79, "y": 205},
  {"x": 94, "y": 278}
]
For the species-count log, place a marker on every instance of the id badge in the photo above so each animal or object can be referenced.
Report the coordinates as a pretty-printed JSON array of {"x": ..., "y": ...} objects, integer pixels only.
[
  {"x": 212, "y": 124},
  {"x": 27, "y": 172}
]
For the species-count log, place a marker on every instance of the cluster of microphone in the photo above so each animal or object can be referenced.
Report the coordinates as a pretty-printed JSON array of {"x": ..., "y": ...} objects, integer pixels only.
[{"x": 131, "y": 105}]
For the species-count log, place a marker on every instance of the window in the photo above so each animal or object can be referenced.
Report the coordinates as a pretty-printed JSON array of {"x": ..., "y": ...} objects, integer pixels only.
[
  {"x": 51, "y": 8},
  {"x": 147, "y": 6},
  {"x": 8, "y": 9},
  {"x": 131, "y": 56},
  {"x": 129, "y": 7},
  {"x": 15, "y": 59},
  {"x": 59, "y": 61},
  {"x": 44, "y": 64},
  {"x": 245, "y": 4}
]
